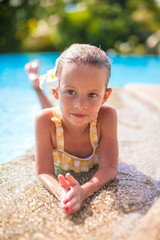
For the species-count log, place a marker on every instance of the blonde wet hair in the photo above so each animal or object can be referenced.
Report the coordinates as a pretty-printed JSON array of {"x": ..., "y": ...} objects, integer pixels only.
[{"x": 85, "y": 54}]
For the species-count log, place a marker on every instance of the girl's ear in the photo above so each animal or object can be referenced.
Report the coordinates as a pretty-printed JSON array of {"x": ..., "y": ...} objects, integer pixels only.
[
  {"x": 55, "y": 93},
  {"x": 106, "y": 95}
]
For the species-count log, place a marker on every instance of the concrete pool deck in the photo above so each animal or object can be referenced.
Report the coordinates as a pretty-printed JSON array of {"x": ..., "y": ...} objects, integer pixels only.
[
  {"x": 147, "y": 92},
  {"x": 126, "y": 208}
]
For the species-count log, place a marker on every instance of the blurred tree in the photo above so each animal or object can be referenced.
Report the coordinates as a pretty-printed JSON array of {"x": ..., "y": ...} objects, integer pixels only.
[
  {"x": 13, "y": 17},
  {"x": 52, "y": 25},
  {"x": 7, "y": 28}
]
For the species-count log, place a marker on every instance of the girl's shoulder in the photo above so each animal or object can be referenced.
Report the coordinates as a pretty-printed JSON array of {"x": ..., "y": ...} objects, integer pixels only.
[
  {"x": 106, "y": 112},
  {"x": 45, "y": 114},
  {"x": 107, "y": 120},
  {"x": 45, "y": 129},
  {"x": 43, "y": 119}
]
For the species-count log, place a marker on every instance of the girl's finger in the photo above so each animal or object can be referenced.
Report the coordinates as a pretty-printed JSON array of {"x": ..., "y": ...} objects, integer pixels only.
[
  {"x": 71, "y": 203},
  {"x": 71, "y": 180},
  {"x": 74, "y": 208},
  {"x": 63, "y": 182}
]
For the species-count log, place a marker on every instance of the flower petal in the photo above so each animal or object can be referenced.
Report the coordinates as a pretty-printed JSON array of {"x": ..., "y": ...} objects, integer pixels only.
[
  {"x": 52, "y": 82},
  {"x": 50, "y": 72},
  {"x": 41, "y": 81},
  {"x": 50, "y": 77}
]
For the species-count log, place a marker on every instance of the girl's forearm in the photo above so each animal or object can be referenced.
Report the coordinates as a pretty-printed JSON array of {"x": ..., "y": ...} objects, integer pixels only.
[
  {"x": 51, "y": 183},
  {"x": 102, "y": 177}
]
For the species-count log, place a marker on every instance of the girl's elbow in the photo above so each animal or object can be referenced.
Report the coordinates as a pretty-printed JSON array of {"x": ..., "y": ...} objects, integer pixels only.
[{"x": 113, "y": 170}]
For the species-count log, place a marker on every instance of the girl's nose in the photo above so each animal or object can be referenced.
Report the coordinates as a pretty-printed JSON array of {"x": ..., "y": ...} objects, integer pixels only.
[{"x": 80, "y": 103}]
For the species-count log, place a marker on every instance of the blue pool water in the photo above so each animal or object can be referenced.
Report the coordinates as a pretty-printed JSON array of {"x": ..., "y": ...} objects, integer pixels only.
[{"x": 19, "y": 104}]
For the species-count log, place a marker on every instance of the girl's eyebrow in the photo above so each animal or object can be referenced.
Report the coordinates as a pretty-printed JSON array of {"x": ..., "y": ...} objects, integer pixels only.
[
  {"x": 68, "y": 86},
  {"x": 97, "y": 91},
  {"x": 74, "y": 87}
]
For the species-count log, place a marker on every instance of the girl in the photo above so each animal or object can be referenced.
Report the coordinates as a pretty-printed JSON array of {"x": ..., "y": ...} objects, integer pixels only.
[{"x": 82, "y": 131}]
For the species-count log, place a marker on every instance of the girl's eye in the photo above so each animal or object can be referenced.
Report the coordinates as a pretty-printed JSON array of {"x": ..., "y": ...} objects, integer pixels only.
[
  {"x": 92, "y": 95},
  {"x": 71, "y": 92}
]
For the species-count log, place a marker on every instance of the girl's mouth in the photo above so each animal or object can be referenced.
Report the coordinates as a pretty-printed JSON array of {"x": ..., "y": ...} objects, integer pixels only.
[{"x": 79, "y": 115}]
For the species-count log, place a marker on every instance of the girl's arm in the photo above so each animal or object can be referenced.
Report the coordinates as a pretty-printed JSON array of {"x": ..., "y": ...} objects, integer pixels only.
[
  {"x": 45, "y": 141},
  {"x": 108, "y": 161}
]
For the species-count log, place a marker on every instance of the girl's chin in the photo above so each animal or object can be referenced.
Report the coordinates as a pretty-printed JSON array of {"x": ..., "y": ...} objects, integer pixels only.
[{"x": 79, "y": 122}]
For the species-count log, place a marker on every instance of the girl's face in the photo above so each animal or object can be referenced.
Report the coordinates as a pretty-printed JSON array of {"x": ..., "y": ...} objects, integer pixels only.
[{"x": 81, "y": 93}]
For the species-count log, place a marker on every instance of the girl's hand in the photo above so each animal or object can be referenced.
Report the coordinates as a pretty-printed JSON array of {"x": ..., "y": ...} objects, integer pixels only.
[
  {"x": 73, "y": 197},
  {"x": 64, "y": 188}
]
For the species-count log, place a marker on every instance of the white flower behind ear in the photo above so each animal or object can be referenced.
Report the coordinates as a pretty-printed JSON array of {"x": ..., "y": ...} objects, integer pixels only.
[
  {"x": 50, "y": 77},
  {"x": 41, "y": 81}
]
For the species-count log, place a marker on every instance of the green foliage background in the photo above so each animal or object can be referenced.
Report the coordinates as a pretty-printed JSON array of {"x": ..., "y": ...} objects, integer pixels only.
[{"x": 125, "y": 26}]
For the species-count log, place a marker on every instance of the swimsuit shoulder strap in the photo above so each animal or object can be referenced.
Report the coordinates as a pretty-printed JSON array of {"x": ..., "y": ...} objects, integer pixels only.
[
  {"x": 59, "y": 130},
  {"x": 93, "y": 132}
]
